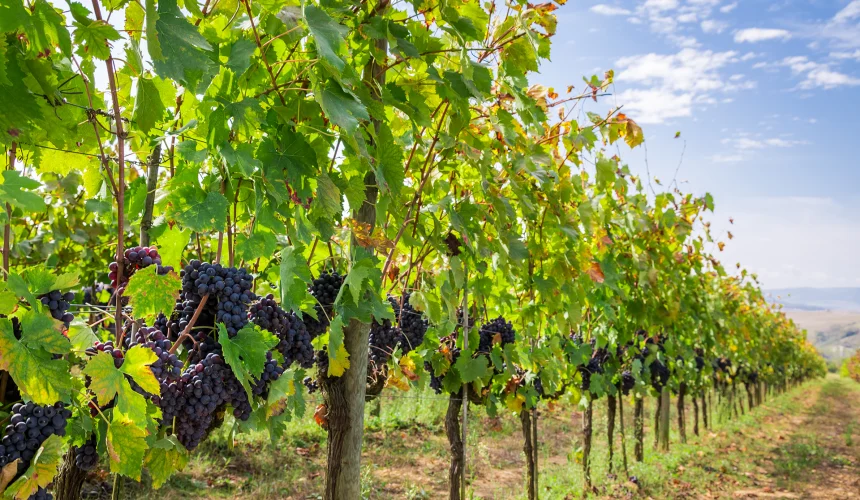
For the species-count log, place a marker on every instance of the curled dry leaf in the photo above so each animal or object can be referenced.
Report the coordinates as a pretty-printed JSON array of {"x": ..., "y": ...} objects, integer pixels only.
[{"x": 321, "y": 415}]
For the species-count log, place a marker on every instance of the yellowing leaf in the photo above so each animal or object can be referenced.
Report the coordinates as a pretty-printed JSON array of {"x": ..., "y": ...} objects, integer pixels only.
[
  {"x": 166, "y": 457},
  {"x": 596, "y": 273},
  {"x": 126, "y": 447},
  {"x": 338, "y": 363},
  {"x": 515, "y": 402}
]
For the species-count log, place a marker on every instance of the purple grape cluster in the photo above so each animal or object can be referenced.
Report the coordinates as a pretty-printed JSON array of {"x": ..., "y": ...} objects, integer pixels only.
[
  {"x": 382, "y": 342},
  {"x": 108, "y": 347},
  {"x": 294, "y": 340},
  {"x": 58, "y": 304},
  {"x": 134, "y": 259},
  {"x": 271, "y": 372},
  {"x": 29, "y": 426},
  {"x": 325, "y": 289},
  {"x": 191, "y": 404},
  {"x": 504, "y": 329},
  {"x": 87, "y": 456},
  {"x": 411, "y": 322}
]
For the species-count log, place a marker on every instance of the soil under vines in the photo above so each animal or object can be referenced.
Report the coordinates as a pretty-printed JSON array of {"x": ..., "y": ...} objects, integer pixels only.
[{"x": 802, "y": 444}]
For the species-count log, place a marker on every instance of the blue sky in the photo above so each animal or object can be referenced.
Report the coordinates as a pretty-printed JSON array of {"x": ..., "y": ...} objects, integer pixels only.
[{"x": 766, "y": 96}]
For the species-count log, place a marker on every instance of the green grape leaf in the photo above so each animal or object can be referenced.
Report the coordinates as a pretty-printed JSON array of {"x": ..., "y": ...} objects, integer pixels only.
[
  {"x": 471, "y": 369},
  {"x": 246, "y": 352},
  {"x": 171, "y": 246},
  {"x": 94, "y": 37},
  {"x": 42, "y": 470},
  {"x": 4, "y": 78},
  {"x": 180, "y": 51},
  {"x": 150, "y": 293},
  {"x": 66, "y": 281},
  {"x": 199, "y": 213},
  {"x": 109, "y": 382},
  {"x": 126, "y": 446},
  {"x": 328, "y": 35},
  {"x": 148, "y": 107},
  {"x": 260, "y": 244},
  {"x": 38, "y": 330},
  {"x": 341, "y": 108},
  {"x": 240, "y": 56},
  {"x": 15, "y": 190},
  {"x": 358, "y": 274},
  {"x": 81, "y": 335},
  {"x": 8, "y": 300},
  {"x": 327, "y": 203},
  {"x": 42, "y": 379},
  {"x": 166, "y": 457},
  {"x": 152, "y": 42},
  {"x": 281, "y": 392}
]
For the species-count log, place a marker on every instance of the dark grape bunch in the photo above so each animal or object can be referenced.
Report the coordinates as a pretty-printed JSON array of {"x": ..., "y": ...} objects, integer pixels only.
[
  {"x": 41, "y": 494},
  {"x": 659, "y": 375},
  {"x": 108, "y": 347},
  {"x": 87, "y": 456},
  {"x": 504, "y": 329},
  {"x": 412, "y": 323},
  {"x": 628, "y": 382},
  {"x": 326, "y": 287},
  {"x": 294, "y": 340},
  {"x": 311, "y": 384},
  {"x": 58, "y": 304},
  {"x": 134, "y": 259},
  {"x": 29, "y": 426},
  {"x": 382, "y": 342},
  {"x": 271, "y": 372},
  {"x": 192, "y": 404},
  {"x": 230, "y": 287}
]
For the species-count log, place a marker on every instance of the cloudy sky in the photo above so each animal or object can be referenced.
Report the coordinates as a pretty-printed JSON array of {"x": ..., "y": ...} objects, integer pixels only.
[{"x": 766, "y": 95}]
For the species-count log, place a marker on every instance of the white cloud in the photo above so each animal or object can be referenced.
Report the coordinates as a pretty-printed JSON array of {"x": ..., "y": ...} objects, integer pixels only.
[
  {"x": 726, "y": 158},
  {"x": 818, "y": 75},
  {"x": 713, "y": 26},
  {"x": 656, "y": 105},
  {"x": 609, "y": 10},
  {"x": 851, "y": 11},
  {"x": 666, "y": 86},
  {"x": 846, "y": 55},
  {"x": 661, "y": 5},
  {"x": 725, "y": 9},
  {"x": 753, "y": 35}
]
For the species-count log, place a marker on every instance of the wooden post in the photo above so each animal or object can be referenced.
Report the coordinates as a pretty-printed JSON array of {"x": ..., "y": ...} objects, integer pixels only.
[
  {"x": 665, "y": 414},
  {"x": 610, "y": 428},
  {"x": 586, "y": 446},
  {"x": 639, "y": 429},
  {"x": 682, "y": 417}
]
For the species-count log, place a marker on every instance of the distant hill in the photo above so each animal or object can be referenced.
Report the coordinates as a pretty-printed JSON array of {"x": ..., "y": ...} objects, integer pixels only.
[
  {"x": 816, "y": 299},
  {"x": 836, "y": 334},
  {"x": 831, "y": 317}
]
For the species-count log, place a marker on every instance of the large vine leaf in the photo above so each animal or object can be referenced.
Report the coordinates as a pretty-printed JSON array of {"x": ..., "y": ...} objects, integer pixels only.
[
  {"x": 109, "y": 382},
  {"x": 328, "y": 35},
  {"x": 43, "y": 379},
  {"x": 126, "y": 446},
  {"x": 150, "y": 293},
  {"x": 15, "y": 190},
  {"x": 246, "y": 352},
  {"x": 166, "y": 457}
]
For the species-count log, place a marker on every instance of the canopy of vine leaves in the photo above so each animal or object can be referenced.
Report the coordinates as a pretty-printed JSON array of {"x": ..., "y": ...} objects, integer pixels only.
[{"x": 404, "y": 145}]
